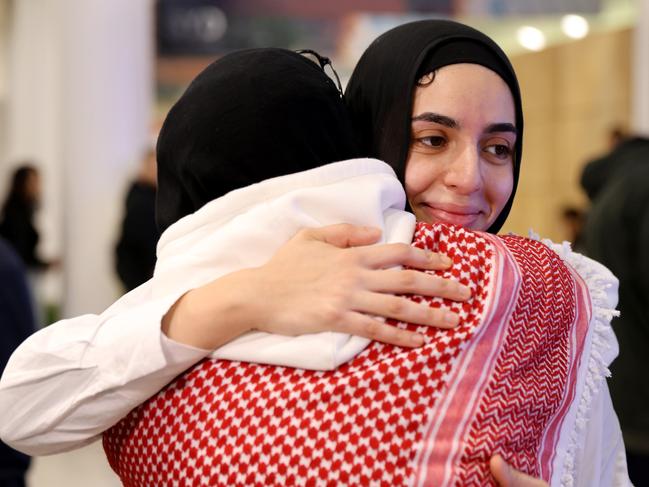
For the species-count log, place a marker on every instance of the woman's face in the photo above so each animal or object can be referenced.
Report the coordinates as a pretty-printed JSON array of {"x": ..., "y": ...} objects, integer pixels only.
[
  {"x": 33, "y": 186},
  {"x": 460, "y": 164}
]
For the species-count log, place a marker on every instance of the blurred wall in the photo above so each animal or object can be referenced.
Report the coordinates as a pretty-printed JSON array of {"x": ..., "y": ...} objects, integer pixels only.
[
  {"x": 4, "y": 68},
  {"x": 572, "y": 95},
  {"x": 640, "y": 52},
  {"x": 79, "y": 104}
]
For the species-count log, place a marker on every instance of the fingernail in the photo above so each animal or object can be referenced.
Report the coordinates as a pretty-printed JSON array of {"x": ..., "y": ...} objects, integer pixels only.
[
  {"x": 446, "y": 260},
  {"x": 465, "y": 291},
  {"x": 417, "y": 340},
  {"x": 451, "y": 318}
]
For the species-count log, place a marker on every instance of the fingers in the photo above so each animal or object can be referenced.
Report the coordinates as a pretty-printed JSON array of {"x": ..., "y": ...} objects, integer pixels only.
[
  {"x": 343, "y": 235},
  {"x": 416, "y": 282},
  {"x": 406, "y": 310},
  {"x": 390, "y": 255},
  {"x": 507, "y": 476},
  {"x": 365, "y": 326},
  {"x": 500, "y": 471}
]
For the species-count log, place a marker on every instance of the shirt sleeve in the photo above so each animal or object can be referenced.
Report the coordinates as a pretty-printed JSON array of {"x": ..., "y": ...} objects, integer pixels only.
[
  {"x": 602, "y": 460},
  {"x": 597, "y": 457},
  {"x": 71, "y": 381}
]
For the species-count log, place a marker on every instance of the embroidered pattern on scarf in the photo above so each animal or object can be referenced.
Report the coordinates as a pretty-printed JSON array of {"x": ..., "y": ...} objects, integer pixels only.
[{"x": 499, "y": 382}]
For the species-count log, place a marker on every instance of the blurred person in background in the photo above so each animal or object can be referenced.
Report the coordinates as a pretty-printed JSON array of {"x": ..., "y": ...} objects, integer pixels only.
[
  {"x": 617, "y": 235},
  {"x": 572, "y": 219},
  {"x": 17, "y": 217},
  {"x": 135, "y": 253},
  {"x": 626, "y": 151},
  {"x": 16, "y": 324}
]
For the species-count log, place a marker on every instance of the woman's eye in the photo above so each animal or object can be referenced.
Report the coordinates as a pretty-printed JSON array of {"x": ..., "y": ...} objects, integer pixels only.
[
  {"x": 501, "y": 151},
  {"x": 435, "y": 141}
]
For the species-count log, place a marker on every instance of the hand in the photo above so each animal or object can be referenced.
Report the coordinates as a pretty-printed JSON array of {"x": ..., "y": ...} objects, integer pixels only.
[
  {"x": 507, "y": 476},
  {"x": 325, "y": 279},
  {"x": 329, "y": 279}
]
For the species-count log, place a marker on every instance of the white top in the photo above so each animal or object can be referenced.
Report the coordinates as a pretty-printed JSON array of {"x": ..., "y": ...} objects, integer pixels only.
[
  {"x": 71, "y": 381},
  {"x": 246, "y": 227},
  {"x": 590, "y": 450}
]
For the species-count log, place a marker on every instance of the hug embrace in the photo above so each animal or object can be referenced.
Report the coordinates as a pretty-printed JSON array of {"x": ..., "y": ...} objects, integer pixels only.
[{"x": 331, "y": 304}]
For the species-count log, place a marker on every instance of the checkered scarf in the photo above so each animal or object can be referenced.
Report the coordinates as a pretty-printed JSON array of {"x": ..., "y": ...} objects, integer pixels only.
[{"x": 501, "y": 382}]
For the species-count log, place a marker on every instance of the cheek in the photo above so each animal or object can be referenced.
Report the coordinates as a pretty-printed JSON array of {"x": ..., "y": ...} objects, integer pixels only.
[
  {"x": 419, "y": 175},
  {"x": 500, "y": 188}
]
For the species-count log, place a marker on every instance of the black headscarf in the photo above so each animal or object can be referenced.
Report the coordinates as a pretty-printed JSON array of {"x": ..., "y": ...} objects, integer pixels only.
[
  {"x": 381, "y": 90},
  {"x": 250, "y": 116}
]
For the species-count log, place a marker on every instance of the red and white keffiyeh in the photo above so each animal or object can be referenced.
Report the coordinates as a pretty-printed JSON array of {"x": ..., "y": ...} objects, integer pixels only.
[{"x": 501, "y": 382}]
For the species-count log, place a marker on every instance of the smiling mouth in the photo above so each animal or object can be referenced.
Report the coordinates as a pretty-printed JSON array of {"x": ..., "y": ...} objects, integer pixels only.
[{"x": 463, "y": 217}]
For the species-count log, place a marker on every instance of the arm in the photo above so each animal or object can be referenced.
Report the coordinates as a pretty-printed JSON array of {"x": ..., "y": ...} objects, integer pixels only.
[
  {"x": 70, "y": 381},
  {"x": 602, "y": 460},
  {"x": 321, "y": 280},
  {"x": 73, "y": 380}
]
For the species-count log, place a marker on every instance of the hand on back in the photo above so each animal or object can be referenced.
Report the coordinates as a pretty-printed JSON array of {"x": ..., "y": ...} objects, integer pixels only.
[
  {"x": 325, "y": 279},
  {"x": 331, "y": 279},
  {"x": 506, "y": 476}
]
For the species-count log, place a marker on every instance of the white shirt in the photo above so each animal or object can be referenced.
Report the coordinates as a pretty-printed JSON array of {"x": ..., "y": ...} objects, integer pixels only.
[
  {"x": 71, "y": 381},
  {"x": 590, "y": 451}
]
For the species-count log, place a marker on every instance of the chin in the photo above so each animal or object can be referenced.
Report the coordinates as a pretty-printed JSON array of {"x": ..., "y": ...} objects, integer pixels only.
[{"x": 477, "y": 224}]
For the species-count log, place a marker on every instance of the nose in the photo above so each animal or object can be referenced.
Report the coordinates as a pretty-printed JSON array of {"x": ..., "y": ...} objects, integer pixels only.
[{"x": 463, "y": 171}]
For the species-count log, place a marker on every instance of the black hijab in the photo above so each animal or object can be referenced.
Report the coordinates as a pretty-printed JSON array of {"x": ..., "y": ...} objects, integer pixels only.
[
  {"x": 381, "y": 90},
  {"x": 249, "y": 116}
]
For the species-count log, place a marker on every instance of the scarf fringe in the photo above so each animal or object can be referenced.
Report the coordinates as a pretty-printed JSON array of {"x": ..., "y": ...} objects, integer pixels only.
[{"x": 602, "y": 335}]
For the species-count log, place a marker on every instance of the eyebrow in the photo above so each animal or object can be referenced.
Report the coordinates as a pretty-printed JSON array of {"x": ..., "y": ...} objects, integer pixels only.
[
  {"x": 436, "y": 118},
  {"x": 501, "y": 127},
  {"x": 454, "y": 124}
]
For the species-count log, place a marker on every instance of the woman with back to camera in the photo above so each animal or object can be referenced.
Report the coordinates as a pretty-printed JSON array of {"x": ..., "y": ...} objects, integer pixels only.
[{"x": 76, "y": 378}]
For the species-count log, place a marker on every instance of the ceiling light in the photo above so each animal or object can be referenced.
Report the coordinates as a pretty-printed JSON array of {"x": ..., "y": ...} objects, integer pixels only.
[
  {"x": 531, "y": 38},
  {"x": 574, "y": 26}
]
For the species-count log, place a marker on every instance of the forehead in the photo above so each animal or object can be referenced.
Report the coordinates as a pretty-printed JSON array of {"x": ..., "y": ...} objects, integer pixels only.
[{"x": 466, "y": 90}]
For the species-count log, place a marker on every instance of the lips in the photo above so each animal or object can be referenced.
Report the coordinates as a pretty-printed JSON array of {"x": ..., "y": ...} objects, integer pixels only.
[{"x": 463, "y": 216}]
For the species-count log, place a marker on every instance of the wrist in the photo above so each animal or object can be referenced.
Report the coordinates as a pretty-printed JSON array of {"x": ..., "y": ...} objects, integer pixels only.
[{"x": 211, "y": 315}]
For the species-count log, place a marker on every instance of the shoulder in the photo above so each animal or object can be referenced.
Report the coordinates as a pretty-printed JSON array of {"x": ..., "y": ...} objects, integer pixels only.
[
  {"x": 603, "y": 288},
  {"x": 601, "y": 282}
]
